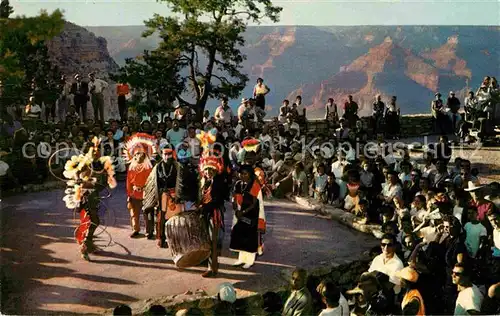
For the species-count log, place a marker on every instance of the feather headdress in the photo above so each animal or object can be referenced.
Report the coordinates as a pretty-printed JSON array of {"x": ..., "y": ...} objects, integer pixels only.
[
  {"x": 250, "y": 144},
  {"x": 206, "y": 139},
  {"x": 139, "y": 142},
  {"x": 212, "y": 162}
]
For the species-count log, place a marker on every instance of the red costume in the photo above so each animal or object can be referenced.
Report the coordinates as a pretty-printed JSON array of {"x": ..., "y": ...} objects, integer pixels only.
[{"x": 138, "y": 150}]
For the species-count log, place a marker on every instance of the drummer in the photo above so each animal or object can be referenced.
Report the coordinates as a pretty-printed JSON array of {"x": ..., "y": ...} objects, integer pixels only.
[{"x": 212, "y": 207}]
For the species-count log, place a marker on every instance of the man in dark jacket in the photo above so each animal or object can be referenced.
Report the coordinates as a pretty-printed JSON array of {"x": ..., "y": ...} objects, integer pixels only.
[{"x": 80, "y": 92}]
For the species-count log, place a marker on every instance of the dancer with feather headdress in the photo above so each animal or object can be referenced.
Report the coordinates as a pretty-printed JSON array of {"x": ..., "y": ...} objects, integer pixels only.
[
  {"x": 87, "y": 176},
  {"x": 212, "y": 196},
  {"x": 138, "y": 152}
]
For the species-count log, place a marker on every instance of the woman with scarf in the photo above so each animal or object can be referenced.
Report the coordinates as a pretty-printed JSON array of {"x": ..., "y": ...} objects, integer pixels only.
[{"x": 248, "y": 217}]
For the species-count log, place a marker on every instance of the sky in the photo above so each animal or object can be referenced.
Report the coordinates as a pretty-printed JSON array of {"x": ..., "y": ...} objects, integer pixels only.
[{"x": 295, "y": 12}]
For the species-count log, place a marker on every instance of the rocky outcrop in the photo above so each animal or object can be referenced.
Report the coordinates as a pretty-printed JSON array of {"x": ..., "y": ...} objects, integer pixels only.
[
  {"x": 77, "y": 50},
  {"x": 412, "y": 62}
]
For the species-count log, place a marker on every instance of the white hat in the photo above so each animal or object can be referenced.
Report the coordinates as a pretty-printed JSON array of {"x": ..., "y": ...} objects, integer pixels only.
[
  {"x": 227, "y": 293},
  {"x": 473, "y": 186}
]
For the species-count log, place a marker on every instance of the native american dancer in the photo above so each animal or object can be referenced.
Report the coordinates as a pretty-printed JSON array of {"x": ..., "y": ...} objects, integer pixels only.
[
  {"x": 252, "y": 149},
  {"x": 212, "y": 195},
  {"x": 138, "y": 151},
  {"x": 160, "y": 193},
  {"x": 248, "y": 204},
  {"x": 87, "y": 176}
]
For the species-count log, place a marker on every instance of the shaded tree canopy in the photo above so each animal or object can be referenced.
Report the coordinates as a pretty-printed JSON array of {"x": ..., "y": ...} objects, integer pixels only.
[
  {"x": 203, "y": 39},
  {"x": 25, "y": 67}
]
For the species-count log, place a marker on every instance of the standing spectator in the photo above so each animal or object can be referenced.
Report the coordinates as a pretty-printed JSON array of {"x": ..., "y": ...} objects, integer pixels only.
[
  {"x": 331, "y": 113},
  {"x": 223, "y": 113},
  {"x": 63, "y": 102},
  {"x": 176, "y": 135},
  {"x": 259, "y": 93},
  {"x": 475, "y": 233},
  {"x": 33, "y": 110},
  {"x": 122, "y": 89},
  {"x": 351, "y": 111},
  {"x": 80, "y": 92},
  {"x": 378, "y": 115},
  {"x": 437, "y": 109},
  {"x": 392, "y": 118},
  {"x": 97, "y": 87},
  {"x": 453, "y": 103}
]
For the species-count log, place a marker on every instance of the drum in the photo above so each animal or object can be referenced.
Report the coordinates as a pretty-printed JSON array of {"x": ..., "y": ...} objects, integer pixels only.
[{"x": 188, "y": 239}]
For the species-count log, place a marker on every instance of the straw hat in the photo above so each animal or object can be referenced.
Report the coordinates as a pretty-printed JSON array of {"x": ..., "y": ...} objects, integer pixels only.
[
  {"x": 473, "y": 186},
  {"x": 408, "y": 274}
]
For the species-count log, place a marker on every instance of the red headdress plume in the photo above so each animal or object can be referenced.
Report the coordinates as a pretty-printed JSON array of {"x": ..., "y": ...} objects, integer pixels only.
[{"x": 250, "y": 144}]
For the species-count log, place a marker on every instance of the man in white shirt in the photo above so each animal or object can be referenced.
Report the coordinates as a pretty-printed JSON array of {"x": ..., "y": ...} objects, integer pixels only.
[
  {"x": 96, "y": 88},
  {"x": 469, "y": 298},
  {"x": 223, "y": 113},
  {"x": 388, "y": 262},
  {"x": 33, "y": 110}
]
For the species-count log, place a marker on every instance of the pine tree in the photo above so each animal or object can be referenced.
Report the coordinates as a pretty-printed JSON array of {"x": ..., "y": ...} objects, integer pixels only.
[
  {"x": 5, "y": 9},
  {"x": 204, "y": 38}
]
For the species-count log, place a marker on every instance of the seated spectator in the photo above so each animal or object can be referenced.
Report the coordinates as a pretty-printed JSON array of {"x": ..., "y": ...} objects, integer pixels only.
[
  {"x": 319, "y": 184},
  {"x": 388, "y": 262},
  {"x": 391, "y": 189},
  {"x": 299, "y": 303},
  {"x": 332, "y": 190},
  {"x": 469, "y": 298},
  {"x": 413, "y": 303},
  {"x": 272, "y": 304},
  {"x": 122, "y": 310},
  {"x": 331, "y": 297},
  {"x": 156, "y": 310}
]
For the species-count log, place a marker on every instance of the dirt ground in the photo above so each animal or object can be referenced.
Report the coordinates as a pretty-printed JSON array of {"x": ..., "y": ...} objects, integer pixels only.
[{"x": 42, "y": 272}]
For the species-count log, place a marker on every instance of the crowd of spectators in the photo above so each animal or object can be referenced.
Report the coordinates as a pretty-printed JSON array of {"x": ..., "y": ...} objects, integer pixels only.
[{"x": 441, "y": 226}]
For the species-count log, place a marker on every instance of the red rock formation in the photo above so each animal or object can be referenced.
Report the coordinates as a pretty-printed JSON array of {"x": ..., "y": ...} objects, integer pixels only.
[
  {"x": 357, "y": 78},
  {"x": 445, "y": 58},
  {"x": 277, "y": 43}
]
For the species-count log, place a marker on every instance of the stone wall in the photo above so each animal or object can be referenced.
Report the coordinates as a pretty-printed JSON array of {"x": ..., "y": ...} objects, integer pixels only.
[{"x": 411, "y": 125}]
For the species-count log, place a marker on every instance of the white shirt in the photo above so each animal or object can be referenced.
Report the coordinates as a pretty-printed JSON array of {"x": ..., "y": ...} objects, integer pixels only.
[
  {"x": 35, "y": 110},
  {"x": 99, "y": 85},
  {"x": 338, "y": 169},
  {"x": 457, "y": 212},
  {"x": 223, "y": 115},
  {"x": 4, "y": 167},
  {"x": 194, "y": 146},
  {"x": 390, "y": 268},
  {"x": 468, "y": 299}
]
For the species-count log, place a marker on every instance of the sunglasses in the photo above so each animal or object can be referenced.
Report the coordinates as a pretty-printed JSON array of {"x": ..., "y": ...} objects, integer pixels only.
[
  {"x": 456, "y": 273},
  {"x": 386, "y": 245}
]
